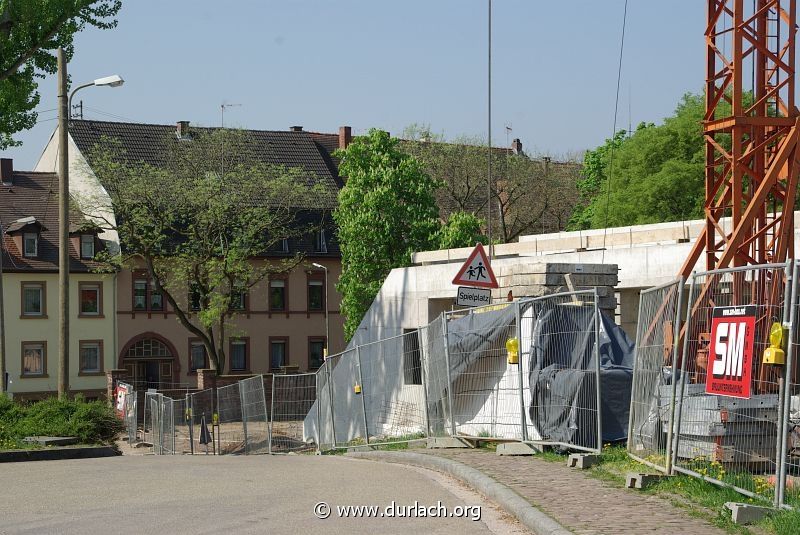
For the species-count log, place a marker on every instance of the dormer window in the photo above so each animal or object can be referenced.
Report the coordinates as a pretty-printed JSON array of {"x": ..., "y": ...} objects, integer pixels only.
[
  {"x": 320, "y": 245},
  {"x": 30, "y": 244},
  {"x": 87, "y": 246}
]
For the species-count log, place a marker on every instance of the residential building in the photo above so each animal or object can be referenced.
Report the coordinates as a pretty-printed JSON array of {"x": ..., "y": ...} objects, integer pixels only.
[
  {"x": 278, "y": 324},
  {"x": 29, "y": 220}
]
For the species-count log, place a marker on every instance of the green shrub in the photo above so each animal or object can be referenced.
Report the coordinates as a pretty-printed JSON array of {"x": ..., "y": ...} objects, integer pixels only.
[{"x": 92, "y": 422}]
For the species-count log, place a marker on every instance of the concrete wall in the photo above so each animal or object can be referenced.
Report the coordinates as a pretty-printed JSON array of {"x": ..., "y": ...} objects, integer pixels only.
[{"x": 45, "y": 329}]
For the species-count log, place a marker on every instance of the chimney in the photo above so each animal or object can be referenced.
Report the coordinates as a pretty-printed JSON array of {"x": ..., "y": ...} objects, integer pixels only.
[
  {"x": 7, "y": 171},
  {"x": 296, "y": 128},
  {"x": 516, "y": 146},
  {"x": 345, "y": 136},
  {"x": 182, "y": 129}
]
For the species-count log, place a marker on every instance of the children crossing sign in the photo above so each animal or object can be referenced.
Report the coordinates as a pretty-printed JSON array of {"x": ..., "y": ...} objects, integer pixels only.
[
  {"x": 731, "y": 351},
  {"x": 476, "y": 271}
]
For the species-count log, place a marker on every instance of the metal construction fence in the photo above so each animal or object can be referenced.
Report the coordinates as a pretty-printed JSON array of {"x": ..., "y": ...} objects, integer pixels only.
[
  {"x": 703, "y": 403},
  {"x": 526, "y": 370}
]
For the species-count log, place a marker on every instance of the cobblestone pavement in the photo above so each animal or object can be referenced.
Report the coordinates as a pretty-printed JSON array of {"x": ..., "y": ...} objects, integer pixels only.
[{"x": 579, "y": 502}]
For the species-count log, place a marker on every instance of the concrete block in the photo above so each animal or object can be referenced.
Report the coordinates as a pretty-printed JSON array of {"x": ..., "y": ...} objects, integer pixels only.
[
  {"x": 447, "y": 442},
  {"x": 517, "y": 448},
  {"x": 634, "y": 480},
  {"x": 744, "y": 513},
  {"x": 582, "y": 460},
  {"x": 51, "y": 441}
]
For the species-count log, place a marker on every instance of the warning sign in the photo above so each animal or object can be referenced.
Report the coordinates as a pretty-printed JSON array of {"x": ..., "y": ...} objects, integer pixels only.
[
  {"x": 731, "y": 351},
  {"x": 476, "y": 271}
]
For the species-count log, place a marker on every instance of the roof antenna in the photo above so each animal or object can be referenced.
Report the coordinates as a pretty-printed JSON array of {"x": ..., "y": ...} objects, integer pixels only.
[{"x": 222, "y": 125}]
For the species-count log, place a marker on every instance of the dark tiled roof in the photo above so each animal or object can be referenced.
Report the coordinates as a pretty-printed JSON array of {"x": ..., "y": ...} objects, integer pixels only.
[
  {"x": 36, "y": 195},
  {"x": 146, "y": 143}
]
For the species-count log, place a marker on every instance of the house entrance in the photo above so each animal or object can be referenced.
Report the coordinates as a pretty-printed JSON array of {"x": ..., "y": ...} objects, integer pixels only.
[{"x": 149, "y": 364}]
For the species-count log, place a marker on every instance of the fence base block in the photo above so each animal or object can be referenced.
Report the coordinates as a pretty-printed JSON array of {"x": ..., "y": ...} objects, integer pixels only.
[
  {"x": 447, "y": 442},
  {"x": 744, "y": 513},
  {"x": 582, "y": 460},
  {"x": 517, "y": 448},
  {"x": 634, "y": 480}
]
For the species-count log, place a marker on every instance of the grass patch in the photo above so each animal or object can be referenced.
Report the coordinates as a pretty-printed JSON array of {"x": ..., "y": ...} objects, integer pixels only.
[{"x": 91, "y": 422}]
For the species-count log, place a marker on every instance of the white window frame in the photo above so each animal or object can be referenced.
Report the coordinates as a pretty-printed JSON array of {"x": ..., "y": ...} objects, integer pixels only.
[
  {"x": 26, "y": 236},
  {"x": 96, "y": 346},
  {"x": 33, "y": 286},
  {"x": 87, "y": 240}
]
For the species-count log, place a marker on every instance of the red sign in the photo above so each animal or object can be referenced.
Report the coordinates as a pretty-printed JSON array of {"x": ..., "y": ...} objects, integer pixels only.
[
  {"x": 730, "y": 355},
  {"x": 121, "y": 399},
  {"x": 476, "y": 271}
]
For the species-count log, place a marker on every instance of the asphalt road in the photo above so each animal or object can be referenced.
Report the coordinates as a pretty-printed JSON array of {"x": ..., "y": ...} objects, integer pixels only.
[{"x": 255, "y": 494}]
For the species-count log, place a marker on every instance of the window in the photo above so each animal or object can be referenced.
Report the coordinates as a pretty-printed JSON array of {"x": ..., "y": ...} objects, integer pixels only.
[
  {"x": 30, "y": 244},
  {"x": 144, "y": 295},
  {"x": 87, "y": 246},
  {"x": 197, "y": 355},
  {"x": 281, "y": 246},
  {"x": 316, "y": 352},
  {"x": 320, "y": 245},
  {"x": 33, "y": 300},
  {"x": 412, "y": 361},
  {"x": 238, "y": 299},
  {"x": 316, "y": 295},
  {"x": 277, "y": 353},
  {"x": 239, "y": 355},
  {"x": 34, "y": 359},
  {"x": 277, "y": 294},
  {"x": 91, "y": 298},
  {"x": 91, "y": 357}
]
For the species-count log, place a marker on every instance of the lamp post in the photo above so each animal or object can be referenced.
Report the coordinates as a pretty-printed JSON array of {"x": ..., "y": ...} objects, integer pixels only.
[
  {"x": 64, "y": 103},
  {"x": 327, "y": 323}
]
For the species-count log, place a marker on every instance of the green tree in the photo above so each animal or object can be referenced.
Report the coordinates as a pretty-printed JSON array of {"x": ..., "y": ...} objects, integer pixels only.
[
  {"x": 655, "y": 175},
  {"x": 200, "y": 235},
  {"x": 29, "y": 31},
  {"x": 386, "y": 211},
  {"x": 462, "y": 229}
]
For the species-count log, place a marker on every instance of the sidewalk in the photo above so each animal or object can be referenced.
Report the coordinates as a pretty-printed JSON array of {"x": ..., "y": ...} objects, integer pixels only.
[{"x": 576, "y": 500}]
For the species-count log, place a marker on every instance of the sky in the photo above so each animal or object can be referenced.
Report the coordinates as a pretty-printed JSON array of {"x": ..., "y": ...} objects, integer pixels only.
[{"x": 322, "y": 64}]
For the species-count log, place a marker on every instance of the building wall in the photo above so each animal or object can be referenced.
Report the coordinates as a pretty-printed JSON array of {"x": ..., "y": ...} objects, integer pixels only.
[
  {"x": 45, "y": 329},
  {"x": 297, "y": 324}
]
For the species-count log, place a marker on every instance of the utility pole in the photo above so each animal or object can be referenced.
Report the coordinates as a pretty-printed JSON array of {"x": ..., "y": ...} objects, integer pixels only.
[
  {"x": 63, "y": 227},
  {"x": 2, "y": 315},
  {"x": 489, "y": 155}
]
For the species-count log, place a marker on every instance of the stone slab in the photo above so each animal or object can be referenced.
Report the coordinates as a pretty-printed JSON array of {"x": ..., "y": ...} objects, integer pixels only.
[
  {"x": 51, "y": 441},
  {"x": 517, "y": 448},
  {"x": 744, "y": 513}
]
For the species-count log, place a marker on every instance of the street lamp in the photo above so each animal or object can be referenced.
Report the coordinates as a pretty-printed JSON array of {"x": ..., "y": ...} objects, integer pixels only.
[
  {"x": 327, "y": 324},
  {"x": 64, "y": 105}
]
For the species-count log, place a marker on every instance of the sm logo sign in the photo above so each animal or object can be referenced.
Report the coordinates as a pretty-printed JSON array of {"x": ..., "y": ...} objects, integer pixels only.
[{"x": 730, "y": 358}]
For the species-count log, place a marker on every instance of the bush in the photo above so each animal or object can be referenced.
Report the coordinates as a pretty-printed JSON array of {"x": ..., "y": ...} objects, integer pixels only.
[{"x": 92, "y": 422}]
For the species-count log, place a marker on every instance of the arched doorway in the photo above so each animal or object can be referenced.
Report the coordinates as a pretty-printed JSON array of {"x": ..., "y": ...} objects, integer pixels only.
[{"x": 150, "y": 361}]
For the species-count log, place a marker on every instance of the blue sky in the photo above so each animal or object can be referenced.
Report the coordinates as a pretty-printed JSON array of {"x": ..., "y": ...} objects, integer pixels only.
[{"x": 388, "y": 64}]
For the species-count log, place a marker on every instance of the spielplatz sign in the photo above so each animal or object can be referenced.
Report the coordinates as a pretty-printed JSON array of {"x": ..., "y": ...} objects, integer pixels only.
[
  {"x": 730, "y": 355},
  {"x": 476, "y": 271}
]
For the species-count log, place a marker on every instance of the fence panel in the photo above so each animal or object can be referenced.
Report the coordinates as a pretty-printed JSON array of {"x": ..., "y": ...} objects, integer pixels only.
[
  {"x": 485, "y": 386},
  {"x": 293, "y": 398},
  {"x": 231, "y": 430},
  {"x": 654, "y": 377},
  {"x": 348, "y": 410},
  {"x": 559, "y": 346},
  {"x": 254, "y": 414},
  {"x": 788, "y": 490},
  {"x": 435, "y": 378},
  {"x": 392, "y": 392},
  {"x": 731, "y": 441},
  {"x": 323, "y": 409}
]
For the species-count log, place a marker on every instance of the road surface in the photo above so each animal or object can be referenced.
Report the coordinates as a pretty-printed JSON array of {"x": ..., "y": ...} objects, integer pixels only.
[{"x": 234, "y": 494}]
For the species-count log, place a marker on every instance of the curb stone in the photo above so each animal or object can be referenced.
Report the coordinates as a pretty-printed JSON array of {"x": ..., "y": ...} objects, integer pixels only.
[
  {"x": 58, "y": 454},
  {"x": 532, "y": 518}
]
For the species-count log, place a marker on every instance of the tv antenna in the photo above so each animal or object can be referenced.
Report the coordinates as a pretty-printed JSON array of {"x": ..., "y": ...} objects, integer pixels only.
[{"x": 222, "y": 111}]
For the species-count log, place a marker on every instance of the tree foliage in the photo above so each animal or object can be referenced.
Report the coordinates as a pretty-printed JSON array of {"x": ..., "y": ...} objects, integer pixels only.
[
  {"x": 462, "y": 229},
  {"x": 198, "y": 232},
  {"x": 528, "y": 195},
  {"x": 655, "y": 175},
  {"x": 30, "y": 30},
  {"x": 386, "y": 211}
]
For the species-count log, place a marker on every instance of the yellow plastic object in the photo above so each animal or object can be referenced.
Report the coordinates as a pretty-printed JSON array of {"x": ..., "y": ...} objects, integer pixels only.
[
  {"x": 215, "y": 419},
  {"x": 774, "y": 354},
  {"x": 357, "y": 388},
  {"x": 512, "y": 347}
]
